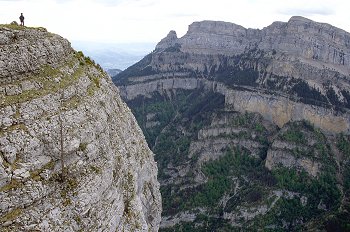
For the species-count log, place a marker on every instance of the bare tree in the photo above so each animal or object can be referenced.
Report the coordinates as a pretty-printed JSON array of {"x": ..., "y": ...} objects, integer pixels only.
[{"x": 61, "y": 138}]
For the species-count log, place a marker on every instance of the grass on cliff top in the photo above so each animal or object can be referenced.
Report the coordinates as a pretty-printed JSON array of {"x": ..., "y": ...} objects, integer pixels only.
[
  {"x": 54, "y": 79},
  {"x": 11, "y": 215},
  {"x": 47, "y": 78},
  {"x": 18, "y": 27},
  {"x": 49, "y": 86}
]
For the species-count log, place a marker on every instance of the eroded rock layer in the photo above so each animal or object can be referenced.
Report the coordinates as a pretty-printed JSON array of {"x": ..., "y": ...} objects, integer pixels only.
[
  {"x": 250, "y": 127},
  {"x": 72, "y": 157},
  {"x": 287, "y": 71}
]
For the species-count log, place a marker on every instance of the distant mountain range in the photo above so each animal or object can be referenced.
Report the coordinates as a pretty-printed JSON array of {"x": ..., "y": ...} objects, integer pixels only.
[
  {"x": 113, "y": 72},
  {"x": 114, "y": 55}
]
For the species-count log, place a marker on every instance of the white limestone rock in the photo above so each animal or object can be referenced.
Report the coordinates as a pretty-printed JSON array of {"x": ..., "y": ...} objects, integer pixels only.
[{"x": 50, "y": 94}]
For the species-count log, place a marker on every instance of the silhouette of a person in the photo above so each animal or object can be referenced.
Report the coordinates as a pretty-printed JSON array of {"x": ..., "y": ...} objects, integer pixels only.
[{"x": 21, "y": 18}]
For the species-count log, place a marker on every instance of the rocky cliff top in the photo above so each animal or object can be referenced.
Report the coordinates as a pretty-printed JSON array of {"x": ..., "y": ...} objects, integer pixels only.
[
  {"x": 72, "y": 157},
  {"x": 25, "y": 50},
  {"x": 215, "y": 27},
  {"x": 169, "y": 41},
  {"x": 299, "y": 37}
]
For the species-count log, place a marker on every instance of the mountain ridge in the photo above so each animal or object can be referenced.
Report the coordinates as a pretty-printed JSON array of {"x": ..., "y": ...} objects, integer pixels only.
[
  {"x": 296, "y": 24},
  {"x": 250, "y": 127},
  {"x": 279, "y": 67}
]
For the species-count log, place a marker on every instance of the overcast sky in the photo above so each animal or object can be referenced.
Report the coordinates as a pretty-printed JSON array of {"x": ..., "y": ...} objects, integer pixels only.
[{"x": 131, "y": 21}]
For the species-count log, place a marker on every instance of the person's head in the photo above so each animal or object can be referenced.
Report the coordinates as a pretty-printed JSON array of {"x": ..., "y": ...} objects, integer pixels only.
[{"x": 21, "y": 13}]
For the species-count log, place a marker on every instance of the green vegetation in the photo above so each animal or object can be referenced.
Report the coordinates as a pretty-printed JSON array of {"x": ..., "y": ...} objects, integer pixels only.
[
  {"x": 68, "y": 189},
  {"x": 308, "y": 94},
  {"x": 344, "y": 145},
  {"x": 13, "y": 184},
  {"x": 19, "y": 27},
  {"x": 259, "y": 128},
  {"x": 86, "y": 60},
  {"x": 171, "y": 122},
  {"x": 202, "y": 223},
  {"x": 243, "y": 119},
  {"x": 96, "y": 81},
  {"x": 323, "y": 188},
  {"x": 35, "y": 174},
  {"x": 95, "y": 169},
  {"x": 220, "y": 173},
  {"x": 234, "y": 76},
  {"x": 170, "y": 144},
  {"x": 48, "y": 77},
  {"x": 15, "y": 127},
  {"x": 166, "y": 138},
  {"x": 294, "y": 135},
  {"x": 94, "y": 86},
  {"x": 197, "y": 114},
  {"x": 321, "y": 197},
  {"x": 332, "y": 97},
  {"x": 311, "y": 199},
  {"x": 346, "y": 95},
  {"x": 180, "y": 118},
  {"x": 82, "y": 147},
  {"x": 162, "y": 108},
  {"x": 11, "y": 215},
  {"x": 339, "y": 221},
  {"x": 230, "y": 73},
  {"x": 72, "y": 102}
]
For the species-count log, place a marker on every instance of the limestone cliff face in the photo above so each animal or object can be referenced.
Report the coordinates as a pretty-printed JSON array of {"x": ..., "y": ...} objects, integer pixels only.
[
  {"x": 299, "y": 37},
  {"x": 192, "y": 132},
  {"x": 277, "y": 109},
  {"x": 51, "y": 98},
  {"x": 247, "y": 125},
  {"x": 288, "y": 71}
]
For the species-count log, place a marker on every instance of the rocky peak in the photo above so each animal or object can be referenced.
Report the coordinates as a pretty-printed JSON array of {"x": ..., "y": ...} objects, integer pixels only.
[
  {"x": 72, "y": 156},
  {"x": 311, "y": 40},
  {"x": 169, "y": 41},
  {"x": 216, "y": 27},
  {"x": 213, "y": 37},
  {"x": 299, "y": 19}
]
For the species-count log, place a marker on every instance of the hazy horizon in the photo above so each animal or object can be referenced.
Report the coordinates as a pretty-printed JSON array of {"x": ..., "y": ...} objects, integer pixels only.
[
  {"x": 147, "y": 21},
  {"x": 117, "y": 33},
  {"x": 114, "y": 55}
]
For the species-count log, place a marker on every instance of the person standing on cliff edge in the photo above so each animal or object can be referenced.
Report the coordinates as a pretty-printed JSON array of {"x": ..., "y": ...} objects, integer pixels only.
[{"x": 21, "y": 18}]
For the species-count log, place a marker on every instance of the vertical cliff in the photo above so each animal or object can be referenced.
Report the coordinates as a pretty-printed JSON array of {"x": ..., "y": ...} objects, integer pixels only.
[
  {"x": 250, "y": 127},
  {"x": 288, "y": 71},
  {"x": 72, "y": 157}
]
